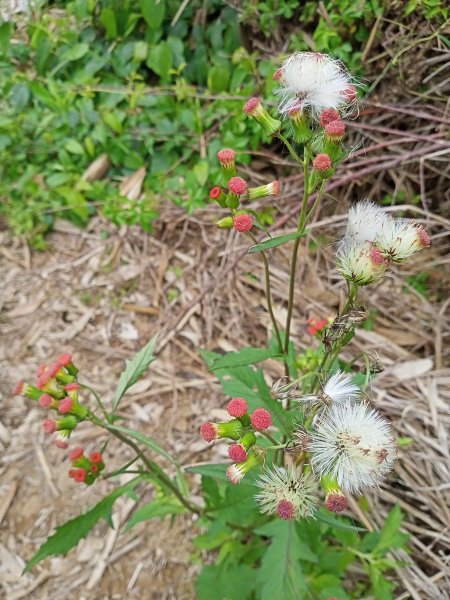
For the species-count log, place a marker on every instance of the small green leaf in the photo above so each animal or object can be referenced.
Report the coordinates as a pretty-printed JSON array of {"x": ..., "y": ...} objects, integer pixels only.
[
  {"x": 75, "y": 52},
  {"x": 217, "y": 582},
  {"x": 68, "y": 535},
  {"x": 275, "y": 241},
  {"x": 217, "y": 471},
  {"x": 74, "y": 147},
  {"x": 6, "y": 30},
  {"x": 337, "y": 523},
  {"x": 160, "y": 60},
  {"x": 144, "y": 439},
  {"x": 390, "y": 535},
  {"x": 108, "y": 20},
  {"x": 134, "y": 369},
  {"x": 157, "y": 508},
  {"x": 218, "y": 79},
  {"x": 245, "y": 356},
  {"x": 201, "y": 170},
  {"x": 153, "y": 12}
]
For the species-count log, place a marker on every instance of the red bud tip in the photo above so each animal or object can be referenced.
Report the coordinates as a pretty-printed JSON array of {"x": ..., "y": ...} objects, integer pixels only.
[
  {"x": 322, "y": 162},
  {"x": 316, "y": 325},
  {"x": 243, "y": 222},
  {"x": 72, "y": 387},
  {"x": 53, "y": 370},
  {"x": 72, "y": 472},
  {"x": 328, "y": 115},
  {"x": 80, "y": 475},
  {"x": 237, "y": 453},
  {"x": 335, "y": 129},
  {"x": 49, "y": 426},
  {"x": 226, "y": 156},
  {"x": 41, "y": 370},
  {"x": 261, "y": 419},
  {"x": 208, "y": 432},
  {"x": 215, "y": 192},
  {"x": 424, "y": 238},
  {"x": 18, "y": 388},
  {"x": 376, "y": 256},
  {"x": 43, "y": 380},
  {"x": 237, "y": 407},
  {"x": 95, "y": 457},
  {"x": 75, "y": 454},
  {"x": 252, "y": 105},
  {"x": 275, "y": 187},
  {"x": 45, "y": 400},
  {"x": 350, "y": 93},
  {"x": 238, "y": 186},
  {"x": 65, "y": 359},
  {"x": 94, "y": 468},
  {"x": 336, "y": 502},
  {"x": 65, "y": 406},
  {"x": 285, "y": 510},
  {"x": 61, "y": 443}
]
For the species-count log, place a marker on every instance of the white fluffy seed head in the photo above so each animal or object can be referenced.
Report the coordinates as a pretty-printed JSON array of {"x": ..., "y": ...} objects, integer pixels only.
[
  {"x": 314, "y": 81},
  {"x": 286, "y": 483},
  {"x": 398, "y": 239},
  {"x": 353, "y": 444},
  {"x": 365, "y": 222},
  {"x": 360, "y": 263},
  {"x": 338, "y": 389}
]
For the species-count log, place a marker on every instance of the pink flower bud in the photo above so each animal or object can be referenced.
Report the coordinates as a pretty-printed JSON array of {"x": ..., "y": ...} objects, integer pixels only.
[
  {"x": 285, "y": 510},
  {"x": 95, "y": 457},
  {"x": 336, "y": 502},
  {"x": 80, "y": 475},
  {"x": 243, "y": 222},
  {"x": 424, "y": 238},
  {"x": 335, "y": 130},
  {"x": 322, "y": 162},
  {"x": 45, "y": 400},
  {"x": 375, "y": 256},
  {"x": 252, "y": 105},
  {"x": 237, "y": 453},
  {"x": 65, "y": 359},
  {"x": 237, "y": 186},
  {"x": 215, "y": 192},
  {"x": 76, "y": 453},
  {"x": 18, "y": 388},
  {"x": 49, "y": 426},
  {"x": 72, "y": 387},
  {"x": 72, "y": 472},
  {"x": 94, "y": 468},
  {"x": 65, "y": 406},
  {"x": 61, "y": 442},
  {"x": 261, "y": 419},
  {"x": 316, "y": 325},
  {"x": 328, "y": 115},
  {"x": 237, "y": 407},
  {"x": 208, "y": 432},
  {"x": 226, "y": 157},
  {"x": 41, "y": 370}
]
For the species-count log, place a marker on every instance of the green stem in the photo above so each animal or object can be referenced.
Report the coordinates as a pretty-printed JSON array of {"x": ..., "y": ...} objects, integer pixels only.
[
  {"x": 300, "y": 227},
  {"x": 269, "y": 298},
  {"x": 292, "y": 152},
  {"x": 152, "y": 467},
  {"x": 269, "y": 437},
  {"x": 99, "y": 402},
  {"x": 316, "y": 201}
]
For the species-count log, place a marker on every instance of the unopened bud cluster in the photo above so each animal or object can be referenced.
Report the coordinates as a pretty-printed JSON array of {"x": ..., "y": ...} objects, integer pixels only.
[
  {"x": 242, "y": 429},
  {"x": 57, "y": 390},
  {"x": 85, "y": 469},
  {"x": 235, "y": 192}
]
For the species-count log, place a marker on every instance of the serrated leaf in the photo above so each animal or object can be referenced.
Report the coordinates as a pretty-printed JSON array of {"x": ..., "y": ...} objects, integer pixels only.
[
  {"x": 244, "y": 357},
  {"x": 146, "y": 440},
  {"x": 216, "y": 582},
  {"x": 157, "y": 508},
  {"x": 134, "y": 369},
  {"x": 275, "y": 241},
  {"x": 68, "y": 535},
  {"x": 280, "y": 574},
  {"x": 390, "y": 535}
]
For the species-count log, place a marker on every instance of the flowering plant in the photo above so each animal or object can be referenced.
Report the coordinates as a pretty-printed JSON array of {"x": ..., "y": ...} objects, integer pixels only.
[{"x": 299, "y": 449}]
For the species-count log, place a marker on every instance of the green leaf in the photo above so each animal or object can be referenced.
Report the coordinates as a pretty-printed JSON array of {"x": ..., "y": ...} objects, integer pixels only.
[
  {"x": 144, "y": 439},
  {"x": 68, "y": 535},
  {"x": 216, "y": 582},
  {"x": 275, "y": 241},
  {"x": 201, "y": 169},
  {"x": 108, "y": 20},
  {"x": 42, "y": 94},
  {"x": 134, "y": 369},
  {"x": 244, "y": 357},
  {"x": 390, "y": 535},
  {"x": 218, "y": 79},
  {"x": 153, "y": 12},
  {"x": 218, "y": 471},
  {"x": 74, "y": 147},
  {"x": 160, "y": 60},
  {"x": 157, "y": 508},
  {"x": 75, "y": 52},
  {"x": 337, "y": 523},
  {"x": 280, "y": 575},
  {"x": 6, "y": 30}
]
